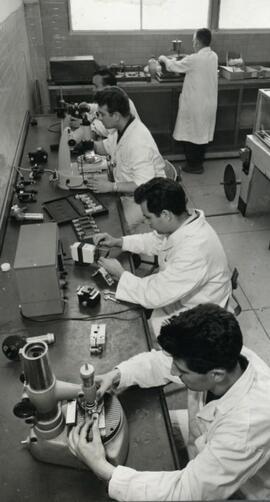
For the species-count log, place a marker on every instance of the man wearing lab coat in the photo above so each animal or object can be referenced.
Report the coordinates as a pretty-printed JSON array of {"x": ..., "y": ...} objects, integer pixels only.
[
  {"x": 132, "y": 149},
  {"x": 101, "y": 79},
  {"x": 193, "y": 266},
  {"x": 228, "y": 413},
  {"x": 195, "y": 122}
]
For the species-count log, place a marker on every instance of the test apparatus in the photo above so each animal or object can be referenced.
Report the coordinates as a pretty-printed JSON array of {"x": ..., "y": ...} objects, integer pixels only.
[
  {"x": 52, "y": 407},
  {"x": 75, "y": 173},
  {"x": 254, "y": 194}
]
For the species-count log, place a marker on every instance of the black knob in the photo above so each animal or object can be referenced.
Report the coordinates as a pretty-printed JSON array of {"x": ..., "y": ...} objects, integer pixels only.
[
  {"x": 24, "y": 409},
  {"x": 11, "y": 346},
  {"x": 22, "y": 378}
]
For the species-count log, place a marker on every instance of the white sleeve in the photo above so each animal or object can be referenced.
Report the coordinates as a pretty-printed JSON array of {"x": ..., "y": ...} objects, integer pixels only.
[
  {"x": 148, "y": 243},
  {"x": 142, "y": 163},
  {"x": 182, "y": 66},
  {"x": 148, "y": 369},
  {"x": 223, "y": 465},
  {"x": 179, "y": 278}
]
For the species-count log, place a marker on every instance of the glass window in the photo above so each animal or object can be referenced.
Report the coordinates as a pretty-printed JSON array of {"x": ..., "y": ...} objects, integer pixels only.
[
  {"x": 106, "y": 15},
  {"x": 244, "y": 14},
  {"x": 117, "y": 15},
  {"x": 174, "y": 14}
]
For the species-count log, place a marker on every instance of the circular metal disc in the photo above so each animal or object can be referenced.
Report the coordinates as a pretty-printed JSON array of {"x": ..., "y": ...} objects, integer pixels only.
[{"x": 229, "y": 181}]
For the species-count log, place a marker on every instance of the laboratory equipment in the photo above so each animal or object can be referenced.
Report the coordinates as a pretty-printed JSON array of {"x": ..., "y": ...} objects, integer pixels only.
[{"x": 52, "y": 407}]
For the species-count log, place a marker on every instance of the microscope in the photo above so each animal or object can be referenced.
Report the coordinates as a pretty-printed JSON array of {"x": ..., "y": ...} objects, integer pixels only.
[{"x": 53, "y": 407}]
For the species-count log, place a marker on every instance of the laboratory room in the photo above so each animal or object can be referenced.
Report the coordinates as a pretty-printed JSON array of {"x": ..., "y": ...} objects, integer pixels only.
[{"x": 134, "y": 250}]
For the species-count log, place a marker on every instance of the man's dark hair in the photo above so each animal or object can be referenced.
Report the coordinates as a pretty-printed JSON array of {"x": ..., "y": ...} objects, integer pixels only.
[
  {"x": 108, "y": 77},
  {"x": 161, "y": 193},
  {"x": 116, "y": 100},
  {"x": 204, "y": 36},
  {"x": 204, "y": 337}
]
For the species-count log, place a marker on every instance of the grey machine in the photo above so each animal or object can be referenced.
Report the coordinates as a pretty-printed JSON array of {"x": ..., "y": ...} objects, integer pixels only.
[
  {"x": 53, "y": 407},
  {"x": 254, "y": 194}
]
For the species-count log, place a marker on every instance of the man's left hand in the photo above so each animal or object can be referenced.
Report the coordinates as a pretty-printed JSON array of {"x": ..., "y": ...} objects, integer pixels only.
[
  {"x": 112, "y": 266},
  {"x": 91, "y": 452},
  {"x": 100, "y": 185}
]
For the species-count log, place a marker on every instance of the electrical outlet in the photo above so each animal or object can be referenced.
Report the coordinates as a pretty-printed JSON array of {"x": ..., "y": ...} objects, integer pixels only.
[{"x": 97, "y": 338}]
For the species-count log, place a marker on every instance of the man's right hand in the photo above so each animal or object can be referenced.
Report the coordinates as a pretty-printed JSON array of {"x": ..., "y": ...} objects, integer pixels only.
[
  {"x": 107, "y": 240},
  {"x": 107, "y": 382}
]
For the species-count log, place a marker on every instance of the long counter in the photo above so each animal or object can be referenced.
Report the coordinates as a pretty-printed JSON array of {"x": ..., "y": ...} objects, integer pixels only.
[
  {"x": 150, "y": 438},
  {"x": 157, "y": 105}
]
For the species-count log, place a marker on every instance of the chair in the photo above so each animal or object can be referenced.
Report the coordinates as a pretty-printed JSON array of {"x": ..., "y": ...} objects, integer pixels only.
[
  {"x": 234, "y": 280},
  {"x": 172, "y": 172}
]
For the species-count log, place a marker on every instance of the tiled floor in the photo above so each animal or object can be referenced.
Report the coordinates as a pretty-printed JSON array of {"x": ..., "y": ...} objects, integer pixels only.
[{"x": 246, "y": 242}]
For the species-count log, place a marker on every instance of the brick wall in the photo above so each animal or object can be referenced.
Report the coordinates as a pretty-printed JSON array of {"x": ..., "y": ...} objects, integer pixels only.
[{"x": 15, "y": 89}]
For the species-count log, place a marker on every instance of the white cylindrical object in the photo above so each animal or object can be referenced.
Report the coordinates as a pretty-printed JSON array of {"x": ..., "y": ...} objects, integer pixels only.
[{"x": 87, "y": 373}]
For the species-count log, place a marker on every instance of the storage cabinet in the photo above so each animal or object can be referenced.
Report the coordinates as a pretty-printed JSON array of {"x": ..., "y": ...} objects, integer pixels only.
[{"x": 154, "y": 106}]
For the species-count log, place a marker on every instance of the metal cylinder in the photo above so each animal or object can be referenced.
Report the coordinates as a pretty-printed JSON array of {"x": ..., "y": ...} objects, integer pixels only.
[
  {"x": 48, "y": 338},
  {"x": 177, "y": 46},
  {"x": 87, "y": 373},
  {"x": 38, "y": 374}
]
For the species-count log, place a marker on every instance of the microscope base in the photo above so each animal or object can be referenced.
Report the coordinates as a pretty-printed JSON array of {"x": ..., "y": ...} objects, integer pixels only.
[{"x": 56, "y": 450}]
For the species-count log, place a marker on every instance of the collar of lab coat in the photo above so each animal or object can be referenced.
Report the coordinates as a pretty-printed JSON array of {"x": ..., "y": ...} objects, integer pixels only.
[
  {"x": 185, "y": 229},
  {"x": 128, "y": 131},
  {"x": 231, "y": 398},
  {"x": 205, "y": 49}
]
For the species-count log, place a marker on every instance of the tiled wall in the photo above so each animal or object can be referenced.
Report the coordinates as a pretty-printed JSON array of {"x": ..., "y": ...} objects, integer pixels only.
[{"x": 15, "y": 89}]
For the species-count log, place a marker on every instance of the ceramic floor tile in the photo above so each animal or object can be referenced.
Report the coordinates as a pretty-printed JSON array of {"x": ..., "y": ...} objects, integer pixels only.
[
  {"x": 213, "y": 173},
  {"x": 236, "y": 223},
  {"x": 254, "y": 335},
  {"x": 264, "y": 317},
  {"x": 249, "y": 252},
  {"x": 211, "y": 199}
]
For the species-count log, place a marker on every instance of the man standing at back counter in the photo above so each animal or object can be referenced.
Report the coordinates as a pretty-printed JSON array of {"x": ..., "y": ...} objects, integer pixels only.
[
  {"x": 228, "y": 413},
  {"x": 196, "y": 118}
]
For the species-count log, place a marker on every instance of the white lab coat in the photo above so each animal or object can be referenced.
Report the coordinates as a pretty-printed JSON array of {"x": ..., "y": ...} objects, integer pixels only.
[
  {"x": 196, "y": 116},
  {"x": 136, "y": 154},
  {"x": 137, "y": 159},
  {"x": 193, "y": 269},
  {"x": 231, "y": 436}
]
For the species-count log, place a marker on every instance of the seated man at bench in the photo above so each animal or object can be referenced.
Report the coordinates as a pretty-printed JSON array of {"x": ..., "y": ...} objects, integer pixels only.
[{"x": 228, "y": 413}]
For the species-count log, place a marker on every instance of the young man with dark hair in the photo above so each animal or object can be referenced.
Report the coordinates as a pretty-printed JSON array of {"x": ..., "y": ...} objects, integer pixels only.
[
  {"x": 193, "y": 267},
  {"x": 195, "y": 122},
  {"x": 228, "y": 413},
  {"x": 132, "y": 149},
  {"x": 103, "y": 78}
]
